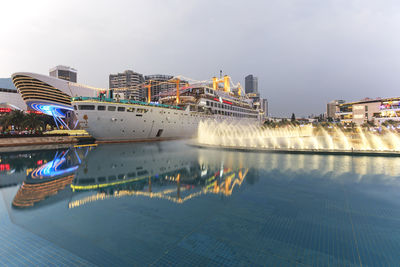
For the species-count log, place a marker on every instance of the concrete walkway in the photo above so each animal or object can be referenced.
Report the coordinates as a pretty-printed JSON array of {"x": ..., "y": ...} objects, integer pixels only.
[{"x": 45, "y": 140}]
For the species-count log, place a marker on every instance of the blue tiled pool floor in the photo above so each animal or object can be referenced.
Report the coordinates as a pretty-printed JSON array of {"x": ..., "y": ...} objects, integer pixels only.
[
  {"x": 226, "y": 209},
  {"x": 19, "y": 247}
]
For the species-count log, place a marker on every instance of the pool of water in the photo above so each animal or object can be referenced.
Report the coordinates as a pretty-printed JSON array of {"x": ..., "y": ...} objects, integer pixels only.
[{"x": 170, "y": 204}]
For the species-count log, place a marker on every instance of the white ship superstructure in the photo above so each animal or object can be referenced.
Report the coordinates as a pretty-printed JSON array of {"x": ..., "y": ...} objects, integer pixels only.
[{"x": 176, "y": 115}]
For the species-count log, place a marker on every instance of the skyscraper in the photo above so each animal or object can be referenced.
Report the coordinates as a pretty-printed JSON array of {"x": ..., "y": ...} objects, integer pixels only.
[
  {"x": 264, "y": 106},
  {"x": 64, "y": 72},
  {"x": 251, "y": 84},
  {"x": 129, "y": 82}
]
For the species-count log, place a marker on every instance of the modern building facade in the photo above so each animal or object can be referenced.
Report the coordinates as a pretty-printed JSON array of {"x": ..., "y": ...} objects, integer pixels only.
[
  {"x": 251, "y": 84},
  {"x": 9, "y": 97},
  {"x": 332, "y": 108},
  {"x": 64, "y": 73},
  {"x": 128, "y": 85},
  {"x": 369, "y": 110},
  {"x": 50, "y": 95}
]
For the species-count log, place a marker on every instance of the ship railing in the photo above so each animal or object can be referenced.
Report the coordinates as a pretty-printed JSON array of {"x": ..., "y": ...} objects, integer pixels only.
[{"x": 122, "y": 101}]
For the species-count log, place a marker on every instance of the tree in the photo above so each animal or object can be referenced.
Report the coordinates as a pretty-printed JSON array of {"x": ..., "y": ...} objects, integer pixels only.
[
  {"x": 17, "y": 118},
  {"x": 293, "y": 117},
  {"x": 33, "y": 121},
  {"x": 5, "y": 121}
]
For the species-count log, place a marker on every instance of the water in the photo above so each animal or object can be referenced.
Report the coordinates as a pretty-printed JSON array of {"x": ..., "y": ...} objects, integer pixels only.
[
  {"x": 167, "y": 204},
  {"x": 334, "y": 138}
]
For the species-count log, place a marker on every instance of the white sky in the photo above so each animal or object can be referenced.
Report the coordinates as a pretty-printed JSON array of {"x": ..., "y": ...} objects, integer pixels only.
[{"x": 304, "y": 52}]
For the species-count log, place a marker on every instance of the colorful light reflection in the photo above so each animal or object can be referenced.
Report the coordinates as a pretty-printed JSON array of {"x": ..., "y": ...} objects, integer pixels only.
[{"x": 59, "y": 166}]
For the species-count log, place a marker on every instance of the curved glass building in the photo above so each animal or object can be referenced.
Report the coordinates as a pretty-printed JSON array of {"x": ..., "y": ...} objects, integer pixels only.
[{"x": 49, "y": 95}]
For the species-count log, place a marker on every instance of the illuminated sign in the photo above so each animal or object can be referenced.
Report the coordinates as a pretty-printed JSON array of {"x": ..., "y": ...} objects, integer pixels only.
[{"x": 4, "y": 167}]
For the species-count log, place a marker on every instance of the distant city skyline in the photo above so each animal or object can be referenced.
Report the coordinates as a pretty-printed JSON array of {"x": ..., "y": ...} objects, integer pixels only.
[{"x": 304, "y": 53}]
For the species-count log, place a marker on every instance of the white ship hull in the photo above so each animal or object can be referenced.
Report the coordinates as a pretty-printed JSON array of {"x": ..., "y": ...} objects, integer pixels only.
[{"x": 143, "y": 123}]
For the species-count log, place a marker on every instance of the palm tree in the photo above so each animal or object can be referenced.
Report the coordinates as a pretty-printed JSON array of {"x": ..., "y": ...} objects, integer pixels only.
[
  {"x": 32, "y": 121},
  {"x": 5, "y": 121},
  {"x": 17, "y": 118}
]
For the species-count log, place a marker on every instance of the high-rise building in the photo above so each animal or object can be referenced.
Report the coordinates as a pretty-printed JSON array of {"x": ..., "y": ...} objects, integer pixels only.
[
  {"x": 251, "y": 84},
  {"x": 332, "y": 108},
  {"x": 64, "y": 72},
  {"x": 129, "y": 83},
  {"x": 264, "y": 106}
]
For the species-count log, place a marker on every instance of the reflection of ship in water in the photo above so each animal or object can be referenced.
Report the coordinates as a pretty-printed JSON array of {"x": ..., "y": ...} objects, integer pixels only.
[
  {"x": 151, "y": 170},
  {"x": 173, "y": 188},
  {"x": 164, "y": 171},
  {"x": 177, "y": 173},
  {"x": 49, "y": 178}
]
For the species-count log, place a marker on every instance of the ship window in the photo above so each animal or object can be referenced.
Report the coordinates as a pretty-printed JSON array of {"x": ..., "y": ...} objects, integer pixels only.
[
  {"x": 207, "y": 103},
  {"x": 141, "y": 110},
  {"x": 121, "y": 108},
  {"x": 101, "y": 107},
  {"x": 86, "y": 107},
  {"x": 144, "y": 172},
  {"x": 131, "y": 175},
  {"x": 112, "y": 178},
  {"x": 86, "y": 181},
  {"x": 111, "y": 108},
  {"x": 130, "y": 109}
]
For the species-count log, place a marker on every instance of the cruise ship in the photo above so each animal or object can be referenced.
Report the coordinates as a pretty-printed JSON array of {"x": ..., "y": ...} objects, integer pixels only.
[{"x": 176, "y": 115}]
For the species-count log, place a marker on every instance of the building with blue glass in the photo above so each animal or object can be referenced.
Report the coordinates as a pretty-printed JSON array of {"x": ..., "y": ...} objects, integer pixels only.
[{"x": 9, "y": 97}]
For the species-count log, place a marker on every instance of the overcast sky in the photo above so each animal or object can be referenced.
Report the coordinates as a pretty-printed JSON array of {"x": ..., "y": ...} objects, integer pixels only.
[{"x": 304, "y": 52}]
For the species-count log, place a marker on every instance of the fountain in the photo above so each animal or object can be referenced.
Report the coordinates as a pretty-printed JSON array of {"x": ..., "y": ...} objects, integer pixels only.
[{"x": 298, "y": 139}]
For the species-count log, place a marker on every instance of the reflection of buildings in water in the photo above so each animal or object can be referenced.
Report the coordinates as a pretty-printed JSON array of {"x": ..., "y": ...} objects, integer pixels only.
[
  {"x": 152, "y": 170},
  {"x": 14, "y": 166},
  {"x": 115, "y": 164},
  {"x": 177, "y": 173},
  {"x": 49, "y": 178},
  {"x": 29, "y": 194},
  {"x": 173, "y": 173},
  {"x": 223, "y": 184}
]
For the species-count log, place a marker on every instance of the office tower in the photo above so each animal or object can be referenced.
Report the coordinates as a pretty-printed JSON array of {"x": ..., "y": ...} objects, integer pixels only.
[
  {"x": 64, "y": 72},
  {"x": 251, "y": 84},
  {"x": 129, "y": 83}
]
